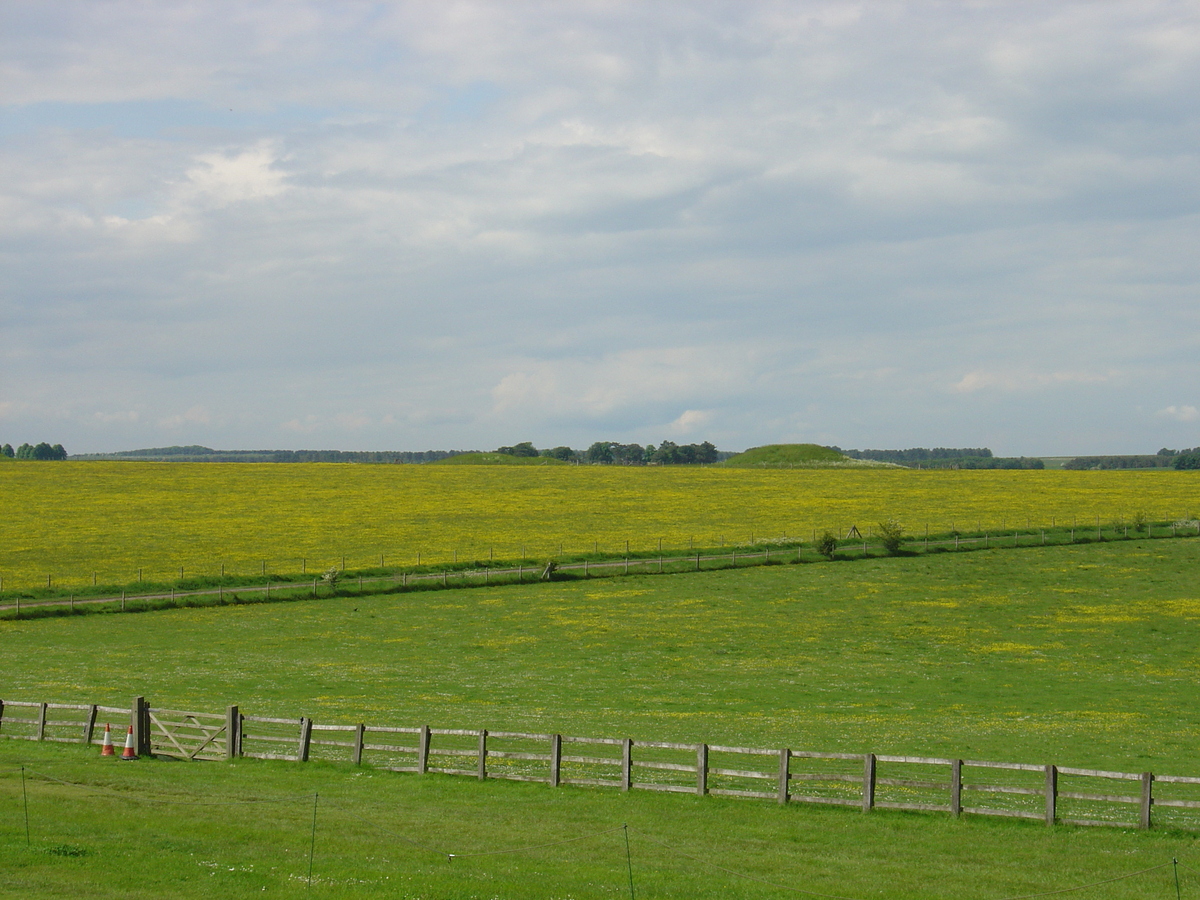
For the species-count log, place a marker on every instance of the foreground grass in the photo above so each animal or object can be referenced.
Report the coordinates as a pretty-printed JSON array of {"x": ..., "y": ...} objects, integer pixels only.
[
  {"x": 1079, "y": 655},
  {"x": 167, "y": 829},
  {"x": 115, "y": 523}
]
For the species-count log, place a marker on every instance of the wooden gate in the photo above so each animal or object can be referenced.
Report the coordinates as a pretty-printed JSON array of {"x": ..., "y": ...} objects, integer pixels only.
[{"x": 193, "y": 735}]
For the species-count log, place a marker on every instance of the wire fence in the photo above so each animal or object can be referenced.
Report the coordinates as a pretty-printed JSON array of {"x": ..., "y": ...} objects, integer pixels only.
[{"x": 337, "y": 582}]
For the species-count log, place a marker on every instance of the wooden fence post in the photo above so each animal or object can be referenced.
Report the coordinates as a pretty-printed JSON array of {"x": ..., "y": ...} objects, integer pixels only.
[
  {"x": 702, "y": 769},
  {"x": 868, "y": 793},
  {"x": 305, "y": 738},
  {"x": 233, "y": 732},
  {"x": 360, "y": 734},
  {"x": 483, "y": 754},
  {"x": 423, "y": 750},
  {"x": 785, "y": 762},
  {"x": 1, "y": 715},
  {"x": 956, "y": 787},
  {"x": 41, "y": 724},
  {"x": 1147, "y": 798},
  {"x": 627, "y": 764},
  {"x": 89, "y": 726},
  {"x": 1051, "y": 794},
  {"x": 555, "y": 760},
  {"x": 139, "y": 716}
]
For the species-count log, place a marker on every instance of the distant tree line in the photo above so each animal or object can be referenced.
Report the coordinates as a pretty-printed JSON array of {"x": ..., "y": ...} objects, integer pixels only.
[
  {"x": 946, "y": 458},
  {"x": 918, "y": 454},
  {"x": 31, "y": 451},
  {"x": 1163, "y": 459},
  {"x": 197, "y": 453},
  {"x": 1144, "y": 461},
  {"x": 668, "y": 453}
]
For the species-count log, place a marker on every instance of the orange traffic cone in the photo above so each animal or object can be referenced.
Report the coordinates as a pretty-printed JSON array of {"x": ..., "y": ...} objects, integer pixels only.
[
  {"x": 129, "y": 752},
  {"x": 106, "y": 749}
]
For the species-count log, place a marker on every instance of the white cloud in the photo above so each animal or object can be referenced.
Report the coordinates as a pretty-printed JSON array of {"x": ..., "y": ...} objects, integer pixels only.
[
  {"x": 1012, "y": 381},
  {"x": 691, "y": 421},
  {"x": 1180, "y": 413},
  {"x": 220, "y": 179}
]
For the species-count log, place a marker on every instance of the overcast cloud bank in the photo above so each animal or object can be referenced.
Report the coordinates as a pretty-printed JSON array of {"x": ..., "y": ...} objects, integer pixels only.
[{"x": 412, "y": 225}]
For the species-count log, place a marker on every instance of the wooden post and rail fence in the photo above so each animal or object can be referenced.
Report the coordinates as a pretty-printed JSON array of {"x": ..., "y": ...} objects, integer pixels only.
[{"x": 1048, "y": 793}]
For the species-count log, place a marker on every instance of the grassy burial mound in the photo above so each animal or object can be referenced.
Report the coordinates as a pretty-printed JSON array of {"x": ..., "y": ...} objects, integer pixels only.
[{"x": 784, "y": 456}]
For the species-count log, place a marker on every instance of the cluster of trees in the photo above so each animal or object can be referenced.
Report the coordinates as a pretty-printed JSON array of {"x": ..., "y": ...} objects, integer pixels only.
[
  {"x": 1187, "y": 459},
  {"x": 30, "y": 451},
  {"x": 668, "y": 453}
]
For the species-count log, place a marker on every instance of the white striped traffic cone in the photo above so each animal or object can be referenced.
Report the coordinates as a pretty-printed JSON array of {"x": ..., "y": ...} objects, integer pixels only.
[
  {"x": 106, "y": 749},
  {"x": 129, "y": 752}
]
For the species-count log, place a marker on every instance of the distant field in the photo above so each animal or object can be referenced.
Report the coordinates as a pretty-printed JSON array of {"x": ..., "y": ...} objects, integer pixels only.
[{"x": 77, "y": 520}]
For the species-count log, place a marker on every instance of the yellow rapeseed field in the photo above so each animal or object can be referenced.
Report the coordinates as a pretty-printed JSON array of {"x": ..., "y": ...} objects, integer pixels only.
[{"x": 79, "y": 521}]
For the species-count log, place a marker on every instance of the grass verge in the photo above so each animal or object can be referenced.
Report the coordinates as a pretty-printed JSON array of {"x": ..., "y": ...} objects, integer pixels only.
[{"x": 103, "y": 828}]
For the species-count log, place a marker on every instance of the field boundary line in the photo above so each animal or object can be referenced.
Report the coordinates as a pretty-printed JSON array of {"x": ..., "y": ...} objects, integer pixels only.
[
  {"x": 1053, "y": 794},
  {"x": 669, "y": 562}
]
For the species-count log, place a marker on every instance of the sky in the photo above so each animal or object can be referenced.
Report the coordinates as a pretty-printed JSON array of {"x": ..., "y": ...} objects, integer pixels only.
[{"x": 461, "y": 225}]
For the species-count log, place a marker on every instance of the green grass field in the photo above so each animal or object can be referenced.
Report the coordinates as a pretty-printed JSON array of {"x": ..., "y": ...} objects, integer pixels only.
[
  {"x": 175, "y": 830},
  {"x": 1079, "y": 655},
  {"x": 1082, "y": 655}
]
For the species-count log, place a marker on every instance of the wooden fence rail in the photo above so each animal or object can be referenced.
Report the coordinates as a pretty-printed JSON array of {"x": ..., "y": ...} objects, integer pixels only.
[{"x": 1047, "y": 793}]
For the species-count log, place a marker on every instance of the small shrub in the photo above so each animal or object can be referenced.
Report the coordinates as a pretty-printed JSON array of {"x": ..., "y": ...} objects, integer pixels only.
[
  {"x": 1139, "y": 521},
  {"x": 890, "y": 532},
  {"x": 331, "y": 577},
  {"x": 827, "y": 545}
]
